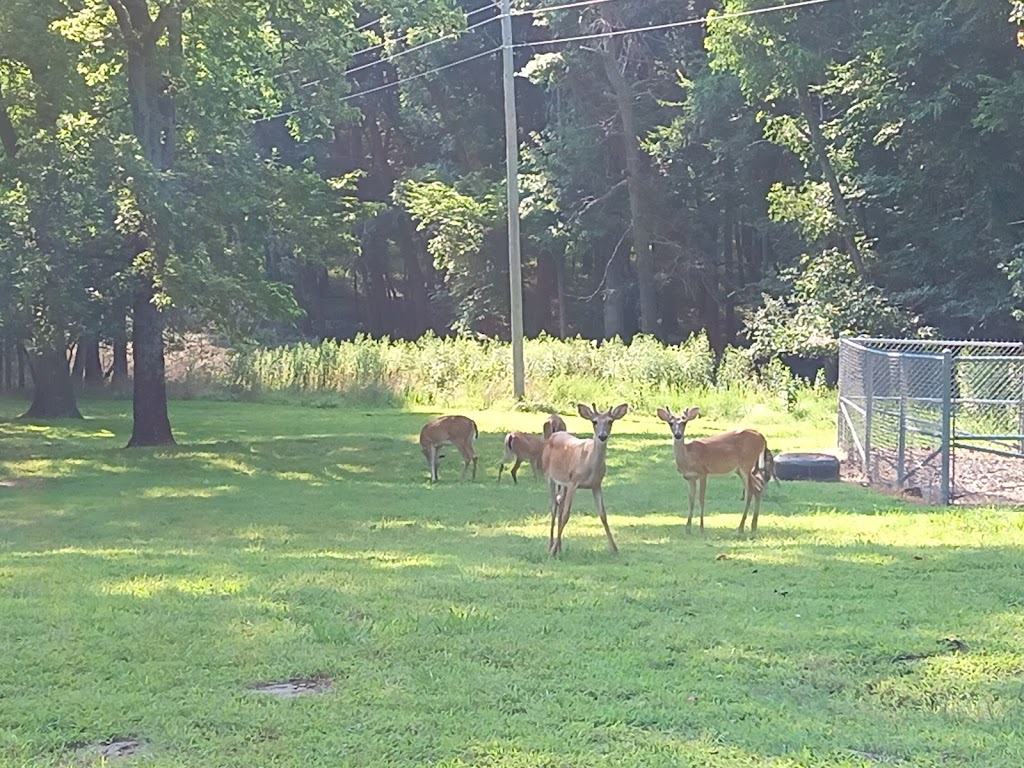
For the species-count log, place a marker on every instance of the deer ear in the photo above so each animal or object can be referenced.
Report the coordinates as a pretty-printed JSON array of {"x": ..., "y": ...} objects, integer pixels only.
[
  {"x": 665, "y": 414},
  {"x": 585, "y": 411},
  {"x": 619, "y": 411},
  {"x": 691, "y": 413}
]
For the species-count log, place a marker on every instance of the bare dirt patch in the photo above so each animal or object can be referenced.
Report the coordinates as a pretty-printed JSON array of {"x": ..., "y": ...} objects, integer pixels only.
[
  {"x": 113, "y": 749},
  {"x": 978, "y": 478},
  {"x": 290, "y": 689}
]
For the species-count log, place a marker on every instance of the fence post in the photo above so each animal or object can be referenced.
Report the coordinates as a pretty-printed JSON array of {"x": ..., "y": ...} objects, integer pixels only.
[
  {"x": 901, "y": 434},
  {"x": 947, "y": 425},
  {"x": 869, "y": 407}
]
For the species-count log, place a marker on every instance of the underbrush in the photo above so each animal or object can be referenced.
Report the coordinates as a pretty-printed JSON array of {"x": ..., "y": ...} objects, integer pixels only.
[{"x": 559, "y": 373}]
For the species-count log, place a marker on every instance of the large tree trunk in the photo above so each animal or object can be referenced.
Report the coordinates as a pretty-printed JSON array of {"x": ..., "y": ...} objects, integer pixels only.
[
  {"x": 643, "y": 235},
  {"x": 151, "y": 425},
  {"x": 846, "y": 223},
  {"x": 53, "y": 395},
  {"x": 150, "y": 69}
]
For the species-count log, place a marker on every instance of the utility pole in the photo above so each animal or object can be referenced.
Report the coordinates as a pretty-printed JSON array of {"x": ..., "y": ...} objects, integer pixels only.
[{"x": 515, "y": 269}]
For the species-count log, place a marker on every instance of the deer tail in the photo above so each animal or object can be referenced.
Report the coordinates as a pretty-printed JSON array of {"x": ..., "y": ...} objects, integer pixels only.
[{"x": 509, "y": 452}]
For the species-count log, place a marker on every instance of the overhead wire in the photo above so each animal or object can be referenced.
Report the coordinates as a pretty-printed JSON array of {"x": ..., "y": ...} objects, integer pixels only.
[
  {"x": 670, "y": 25},
  {"x": 576, "y": 38}
]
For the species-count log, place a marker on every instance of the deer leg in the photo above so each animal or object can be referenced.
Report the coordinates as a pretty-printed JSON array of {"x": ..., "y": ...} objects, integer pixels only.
[
  {"x": 432, "y": 463},
  {"x": 515, "y": 469},
  {"x": 568, "y": 492},
  {"x": 474, "y": 467},
  {"x": 757, "y": 507},
  {"x": 599, "y": 501},
  {"x": 692, "y": 491},
  {"x": 553, "y": 490},
  {"x": 703, "y": 488},
  {"x": 749, "y": 483}
]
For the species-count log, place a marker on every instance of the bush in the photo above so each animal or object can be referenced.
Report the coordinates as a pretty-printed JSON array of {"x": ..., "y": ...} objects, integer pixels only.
[{"x": 559, "y": 372}]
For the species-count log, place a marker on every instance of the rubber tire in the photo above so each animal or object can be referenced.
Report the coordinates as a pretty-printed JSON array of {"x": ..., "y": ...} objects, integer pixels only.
[{"x": 822, "y": 467}]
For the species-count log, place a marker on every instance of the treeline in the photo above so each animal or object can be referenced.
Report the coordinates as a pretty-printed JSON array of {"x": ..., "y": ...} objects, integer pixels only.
[{"x": 769, "y": 176}]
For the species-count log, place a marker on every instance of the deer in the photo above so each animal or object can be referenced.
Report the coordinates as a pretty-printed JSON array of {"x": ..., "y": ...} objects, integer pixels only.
[
  {"x": 460, "y": 431},
  {"x": 569, "y": 462},
  {"x": 522, "y": 447},
  {"x": 525, "y": 447},
  {"x": 554, "y": 423},
  {"x": 743, "y": 451}
]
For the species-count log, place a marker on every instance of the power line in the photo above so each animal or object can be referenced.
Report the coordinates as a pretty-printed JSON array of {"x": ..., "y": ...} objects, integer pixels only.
[
  {"x": 671, "y": 25},
  {"x": 385, "y": 86},
  {"x": 360, "y": 52},
  {"x": 553, "y": 8}
]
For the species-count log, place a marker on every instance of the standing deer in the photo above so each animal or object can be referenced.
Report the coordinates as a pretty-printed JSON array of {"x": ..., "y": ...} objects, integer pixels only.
[
  {"x": 522, "y": 447},
  {"x": 742, "y": 452},
  {"x": 554, "y": 423},
  {"x": 570, "y": 463},
  {"x": 457, "y": 430}
]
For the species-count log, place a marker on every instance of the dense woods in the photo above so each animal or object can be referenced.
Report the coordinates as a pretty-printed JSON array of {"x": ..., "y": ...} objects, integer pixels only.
[{"x": 275, "y": 170}]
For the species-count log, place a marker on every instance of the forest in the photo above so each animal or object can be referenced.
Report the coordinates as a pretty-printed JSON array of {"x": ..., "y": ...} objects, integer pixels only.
[{"x": 268, "y": 171}]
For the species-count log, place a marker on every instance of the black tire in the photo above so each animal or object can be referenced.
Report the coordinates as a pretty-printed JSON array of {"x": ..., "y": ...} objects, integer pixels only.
[{"x": 822, "y": 467}]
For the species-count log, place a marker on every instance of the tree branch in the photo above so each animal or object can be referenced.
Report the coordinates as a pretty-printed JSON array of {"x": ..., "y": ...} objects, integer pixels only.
[
  {"x": 124, "y": 22},
  {"x": 162, "y": 20}
]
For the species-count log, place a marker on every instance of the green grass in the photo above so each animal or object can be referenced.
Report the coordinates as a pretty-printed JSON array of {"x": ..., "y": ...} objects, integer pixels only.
[{"x": 142, "y": 592}]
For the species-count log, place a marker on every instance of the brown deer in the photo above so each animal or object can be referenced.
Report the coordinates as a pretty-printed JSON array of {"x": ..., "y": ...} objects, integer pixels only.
[
  {"x": 554, "y": 423},
  {"x": 570, "y": 463},
  {"x": 743, "y": 452},
  {"x": 522, "y": 447},
  {"x": 457, "y": 430}
]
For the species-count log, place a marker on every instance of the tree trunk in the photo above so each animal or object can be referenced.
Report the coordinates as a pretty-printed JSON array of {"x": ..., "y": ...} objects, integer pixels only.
[
  {"x": 151, "y": 68},
  {"x": 615, "y": 300},
  {"x": 829, "y": 172},
  {"x": 563, "y": 309},
  {"x": 119, "y": 366},
  {"x": 89, "y": 348},
  {"x": 415, "y": 282},
  {"x": 636, "y": 184},
  {"x": 78, "y": 361},
  {"x": 149, "y": 392},
  {"x": 53, "y": 395}
]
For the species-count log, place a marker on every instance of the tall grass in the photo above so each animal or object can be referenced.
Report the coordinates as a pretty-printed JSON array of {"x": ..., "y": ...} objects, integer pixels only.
[{"x": 559, "y": 372}]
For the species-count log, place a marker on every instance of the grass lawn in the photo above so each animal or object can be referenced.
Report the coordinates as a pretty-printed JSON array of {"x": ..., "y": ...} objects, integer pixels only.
[{"x": 143, "y": 593}]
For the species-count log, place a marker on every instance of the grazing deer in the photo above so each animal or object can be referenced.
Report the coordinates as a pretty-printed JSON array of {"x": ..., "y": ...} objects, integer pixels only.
[
  {"x": 457, "y": 430},
  {"x": 570, "y": 463},
  {"x": 743, "y": 452},
  {"x": 554, "y": 423},
  {"x": 522, "y": 447}
]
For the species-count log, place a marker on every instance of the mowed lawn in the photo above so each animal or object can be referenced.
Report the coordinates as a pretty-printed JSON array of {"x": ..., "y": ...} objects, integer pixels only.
[{"x": 144, "y": 593}]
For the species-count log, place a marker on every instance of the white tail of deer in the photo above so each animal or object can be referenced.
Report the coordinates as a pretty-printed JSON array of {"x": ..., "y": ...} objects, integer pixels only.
[
  {"x": 522, "y": 447},
  {"x": 570, "y": 463},
  {"x": 554, "y": 423},
  {"x": 744, "y": 452},
  {"x": 457, "y": 430}
]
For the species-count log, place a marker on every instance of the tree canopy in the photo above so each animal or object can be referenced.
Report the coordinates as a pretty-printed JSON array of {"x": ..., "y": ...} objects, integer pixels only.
[{"x": 272, "y": 169}]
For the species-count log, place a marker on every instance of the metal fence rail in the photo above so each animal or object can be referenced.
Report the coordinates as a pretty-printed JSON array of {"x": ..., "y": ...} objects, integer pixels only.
[{"x": 943, "y": 419}]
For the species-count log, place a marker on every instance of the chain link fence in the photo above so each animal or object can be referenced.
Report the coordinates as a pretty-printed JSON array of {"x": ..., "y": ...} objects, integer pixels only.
[{"x": 943, "y": 420}]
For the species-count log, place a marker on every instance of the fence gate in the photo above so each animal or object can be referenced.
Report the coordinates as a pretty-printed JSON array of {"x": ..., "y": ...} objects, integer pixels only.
[{"x": 944, "y": 419}]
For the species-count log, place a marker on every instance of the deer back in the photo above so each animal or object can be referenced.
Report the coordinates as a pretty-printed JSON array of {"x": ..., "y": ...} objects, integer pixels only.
[
  {"x": 554, "y": 423},
  {"x": 720, "y": 454},
  {"x": 524, "y": 445},
  {"x": 459, "y": 430}
]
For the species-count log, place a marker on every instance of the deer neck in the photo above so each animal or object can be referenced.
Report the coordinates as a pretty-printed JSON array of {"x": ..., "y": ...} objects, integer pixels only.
[
  {"x": 683, "y": 454},
  {"x": 597, "y": 454}
]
